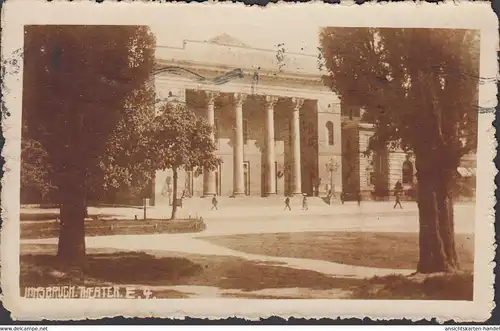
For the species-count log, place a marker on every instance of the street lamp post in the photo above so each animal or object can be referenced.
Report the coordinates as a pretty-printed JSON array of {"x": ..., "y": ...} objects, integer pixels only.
[{"x": 331, "y": 167}]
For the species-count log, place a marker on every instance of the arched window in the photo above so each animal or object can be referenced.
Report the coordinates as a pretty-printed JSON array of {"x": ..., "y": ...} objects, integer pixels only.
[
  {"x": 329, "y": 132},
  {"x": 407, "y": 172}
]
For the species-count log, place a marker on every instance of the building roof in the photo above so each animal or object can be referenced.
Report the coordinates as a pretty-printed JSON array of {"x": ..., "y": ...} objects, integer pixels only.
[{"x": 226, "y": 51}]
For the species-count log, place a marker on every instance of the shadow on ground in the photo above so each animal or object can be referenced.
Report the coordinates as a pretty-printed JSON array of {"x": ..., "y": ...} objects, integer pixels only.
[
  {"x": 457, "y": 286},
  {"x": 163, "y": 269},
  {"x": 109, "y": 268}
]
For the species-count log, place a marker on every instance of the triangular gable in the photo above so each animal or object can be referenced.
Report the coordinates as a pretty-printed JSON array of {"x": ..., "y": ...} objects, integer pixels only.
[{"x": 226, "y": 40}]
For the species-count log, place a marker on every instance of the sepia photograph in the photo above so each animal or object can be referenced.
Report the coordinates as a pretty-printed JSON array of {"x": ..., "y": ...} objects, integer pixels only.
[{"x": 215, "y": 161}]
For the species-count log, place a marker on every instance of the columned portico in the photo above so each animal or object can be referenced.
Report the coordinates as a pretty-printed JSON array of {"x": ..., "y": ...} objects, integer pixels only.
[
  {"x": 238, "y": 169},
  {"x": 295, "y": 144},
  {"x": 270, "y": 173},
  {"x": 209, "y": 188},
  {"x": 265, "y": 147}
]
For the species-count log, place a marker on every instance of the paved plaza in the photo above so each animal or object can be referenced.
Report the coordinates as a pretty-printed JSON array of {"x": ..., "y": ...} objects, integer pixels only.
[{"x": 252, "y": 216}]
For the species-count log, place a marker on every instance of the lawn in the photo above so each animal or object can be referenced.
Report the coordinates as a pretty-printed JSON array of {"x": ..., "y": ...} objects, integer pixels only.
[
  {"x": 53, "y": 214},
  {"x": 230, "y": 276},
  {"x": 36, "y": 230},
  {"x": 380, "y": 250}
]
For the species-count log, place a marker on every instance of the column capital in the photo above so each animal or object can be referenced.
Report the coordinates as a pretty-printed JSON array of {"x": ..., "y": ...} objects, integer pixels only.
[
  {"x": 211, "y": 96},
  {"x": 297, "y": 103},
  {"x": 271, "y": 101},
  {"x": 239, "y": 98}
]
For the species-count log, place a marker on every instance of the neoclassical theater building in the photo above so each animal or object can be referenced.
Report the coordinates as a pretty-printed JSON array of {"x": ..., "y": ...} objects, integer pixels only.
[{"x": 278, "y": 129}]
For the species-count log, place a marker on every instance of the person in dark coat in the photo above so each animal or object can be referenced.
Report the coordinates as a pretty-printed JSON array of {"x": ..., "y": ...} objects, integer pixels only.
[
  {"x": 215, "y": 203},
  {"x": 398, "y": 189},
  {"x": 287, "y": 203},
  {"x": 329, "y": 196},
  {"x": 398, "y": 199},
  {"x": 304, "y": 203}
]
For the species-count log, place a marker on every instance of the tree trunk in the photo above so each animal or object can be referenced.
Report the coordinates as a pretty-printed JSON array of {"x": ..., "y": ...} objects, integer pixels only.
[
  {"x": 435, "y": 206},
  {"x": 71, "y": 246},
  {"x": 174, "y": 201}
]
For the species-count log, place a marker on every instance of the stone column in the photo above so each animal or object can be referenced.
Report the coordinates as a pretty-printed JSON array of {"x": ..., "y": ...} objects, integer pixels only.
[
  {"x": 296, "y": 166},
  {"x": 238, "y": 171},
  {"x": 209, "y": 187},
  {"x": 270, "y": 187}
]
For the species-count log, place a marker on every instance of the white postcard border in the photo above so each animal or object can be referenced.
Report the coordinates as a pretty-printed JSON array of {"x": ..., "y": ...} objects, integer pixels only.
[{"x": 18, "y": 13}]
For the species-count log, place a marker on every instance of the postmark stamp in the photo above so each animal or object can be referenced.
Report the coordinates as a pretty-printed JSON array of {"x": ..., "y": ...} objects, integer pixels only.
[{"x": 337, "y": 167}]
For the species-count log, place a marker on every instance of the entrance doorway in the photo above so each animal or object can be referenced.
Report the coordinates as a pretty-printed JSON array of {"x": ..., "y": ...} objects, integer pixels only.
[
  {"x": 276, "y": 177},
  {"x": 246, "y": 176},
  {"x": 218, "y": 180}
]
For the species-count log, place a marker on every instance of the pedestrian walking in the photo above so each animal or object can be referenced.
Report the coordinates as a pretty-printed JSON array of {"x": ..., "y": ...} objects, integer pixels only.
[
  {"x": 329, "y": 196},
  {"x": 398, "y": 200},
  {"x": 398, "y": 189},
  {"x": 287, "y": 203},
  {"x": 359, "y": 199},
  {"x": 342, "y": 197},
  {"x": 215, "y": 203},
  {"x": 304, "y": 203}
]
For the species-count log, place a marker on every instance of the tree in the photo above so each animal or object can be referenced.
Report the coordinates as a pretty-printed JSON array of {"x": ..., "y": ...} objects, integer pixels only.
[
  {"x": 76, "y": 83},
  {"x": 181, "y": 141},
  {"x": 420, "y": 89},
  {"x": 35, "y": 171}
]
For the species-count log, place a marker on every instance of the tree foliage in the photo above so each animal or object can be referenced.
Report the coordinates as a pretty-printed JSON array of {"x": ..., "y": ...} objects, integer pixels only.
[
  {"x": 181, "y": 140},
  {"x": 420, "y": 89},
  {"x": 76, "y": 81},
  {"x": 409, "y": 81}
]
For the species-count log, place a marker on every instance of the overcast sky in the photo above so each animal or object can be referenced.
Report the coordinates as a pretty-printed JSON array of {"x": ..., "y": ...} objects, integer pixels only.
[{"x": 258, "y": 28}]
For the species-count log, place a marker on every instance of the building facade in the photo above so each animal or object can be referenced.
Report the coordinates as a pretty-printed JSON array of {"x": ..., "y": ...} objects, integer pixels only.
[
  {"x": 376, "y": 174},
  {"x": 278, "y": 129}
]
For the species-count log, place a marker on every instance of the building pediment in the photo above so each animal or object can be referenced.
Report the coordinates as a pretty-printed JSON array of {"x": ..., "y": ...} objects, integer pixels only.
[
  {"x": 226, "y": 51},
  {"x": 226, "y": 40}
]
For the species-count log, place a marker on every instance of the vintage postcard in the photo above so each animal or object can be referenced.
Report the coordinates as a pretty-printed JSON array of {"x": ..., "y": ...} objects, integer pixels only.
[{"x": 221, "y": 160}]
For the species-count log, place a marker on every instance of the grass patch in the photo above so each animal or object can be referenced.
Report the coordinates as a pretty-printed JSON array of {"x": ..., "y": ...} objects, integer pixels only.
[
  {"x": 53, "y": 215},
  {"x": 114, "y": 227},
  {"x": 369, "y": 249},
  {"x": 458, "y": 286}
]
